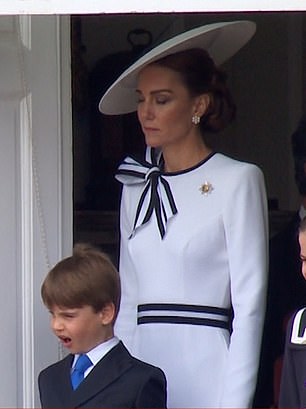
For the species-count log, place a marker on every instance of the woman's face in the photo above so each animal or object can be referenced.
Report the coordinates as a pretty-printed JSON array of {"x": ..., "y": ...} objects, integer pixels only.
[
  {"x": 165, "y": 107},
  {"x": 302, "y": 241}
]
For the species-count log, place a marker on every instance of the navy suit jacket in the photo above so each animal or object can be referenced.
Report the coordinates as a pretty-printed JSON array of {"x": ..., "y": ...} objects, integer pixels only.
[
  {"x": 293, "y": 382},
  {"x": 117, "y": 381}
]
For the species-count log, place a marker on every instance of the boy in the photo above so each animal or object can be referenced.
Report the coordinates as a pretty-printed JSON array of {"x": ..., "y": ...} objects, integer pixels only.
[
  {"x": 293, "y": 383},
  {"x": 82, "y": 293}
]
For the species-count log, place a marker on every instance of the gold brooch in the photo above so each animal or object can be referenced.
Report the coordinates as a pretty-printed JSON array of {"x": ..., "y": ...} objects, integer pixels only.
[{"x": 206, "y": 188}]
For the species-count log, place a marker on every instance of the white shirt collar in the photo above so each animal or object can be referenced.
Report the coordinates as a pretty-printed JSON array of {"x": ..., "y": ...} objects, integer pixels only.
[
  {"x": 98, "y": 352},
  {"x": 101, "y": 350}
]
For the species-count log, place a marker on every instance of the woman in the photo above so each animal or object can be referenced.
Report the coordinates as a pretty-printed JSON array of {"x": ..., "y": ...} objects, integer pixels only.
[
  {"x": 193, "y": 225},
  {"x": 293, "y": 381}
]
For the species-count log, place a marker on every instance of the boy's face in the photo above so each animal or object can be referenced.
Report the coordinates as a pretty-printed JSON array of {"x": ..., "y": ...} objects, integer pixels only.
[
  {"x": 81, "y": 329},
  {"x": 302, "y": 241}
]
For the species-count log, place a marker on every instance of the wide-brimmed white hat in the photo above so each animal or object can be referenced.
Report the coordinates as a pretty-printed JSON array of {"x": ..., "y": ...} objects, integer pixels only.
[{"x": 220, "y": 40}]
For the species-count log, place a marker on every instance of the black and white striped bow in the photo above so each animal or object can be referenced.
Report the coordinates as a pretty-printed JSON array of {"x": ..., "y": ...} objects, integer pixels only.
[{"x": 156, "y": 195}]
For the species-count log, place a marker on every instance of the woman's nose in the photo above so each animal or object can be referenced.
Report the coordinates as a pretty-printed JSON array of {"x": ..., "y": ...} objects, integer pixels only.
[{"x": 145, "y": 111}]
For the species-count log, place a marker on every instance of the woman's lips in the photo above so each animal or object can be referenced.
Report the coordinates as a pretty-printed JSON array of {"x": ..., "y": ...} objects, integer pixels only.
[{"x": 150, "y": 130}]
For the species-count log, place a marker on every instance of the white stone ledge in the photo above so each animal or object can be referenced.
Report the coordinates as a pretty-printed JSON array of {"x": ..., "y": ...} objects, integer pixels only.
[{"x": 148, "y": 6}]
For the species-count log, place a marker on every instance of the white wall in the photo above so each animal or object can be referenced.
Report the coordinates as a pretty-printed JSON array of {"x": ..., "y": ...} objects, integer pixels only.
[
  {"x": 8, "y": 238},
  {"x": 123, "y": 6},
  {"x": 36, "y": 197}
]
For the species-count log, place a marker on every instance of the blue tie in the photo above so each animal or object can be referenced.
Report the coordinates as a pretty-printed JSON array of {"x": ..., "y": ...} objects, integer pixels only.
[{"x": 82, "y": 363}]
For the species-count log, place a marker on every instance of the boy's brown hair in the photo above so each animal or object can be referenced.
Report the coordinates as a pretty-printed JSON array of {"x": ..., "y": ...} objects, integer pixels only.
[{"x": 88, "y": 277}]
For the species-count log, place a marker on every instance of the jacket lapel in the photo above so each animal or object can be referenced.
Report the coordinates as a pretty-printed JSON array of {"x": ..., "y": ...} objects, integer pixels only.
[
  {"x": 63, "y": 380},
  {"x": 116, "y": 362}
]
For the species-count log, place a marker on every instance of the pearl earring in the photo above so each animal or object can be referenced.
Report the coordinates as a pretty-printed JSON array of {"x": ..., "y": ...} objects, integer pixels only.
[{"x": 195, "y": 119}]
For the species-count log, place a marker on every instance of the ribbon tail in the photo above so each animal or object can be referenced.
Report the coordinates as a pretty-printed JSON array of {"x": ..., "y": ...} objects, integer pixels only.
[
  {"x": 139, "y": 209},
  {"x": 158, "y": 206},
  {"x": 169, "y": 196}
]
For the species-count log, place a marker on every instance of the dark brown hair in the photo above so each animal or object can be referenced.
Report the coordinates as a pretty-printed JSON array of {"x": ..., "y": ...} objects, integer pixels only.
[
  {"x": 298, "y": 140},
  {"x": 88, "y": 277},
  {"x": 201, "y": 76}
]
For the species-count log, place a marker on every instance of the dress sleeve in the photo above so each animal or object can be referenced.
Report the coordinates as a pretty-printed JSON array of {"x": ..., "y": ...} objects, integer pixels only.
[
  {"x": 127, "y": 318},
  {"x": 246, "y": 230}
]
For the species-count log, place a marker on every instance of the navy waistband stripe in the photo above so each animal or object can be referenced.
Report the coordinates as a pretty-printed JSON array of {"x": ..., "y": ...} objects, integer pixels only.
[
  {"x": 183, "y": 320},
  {"x": 183, "y": 307}
]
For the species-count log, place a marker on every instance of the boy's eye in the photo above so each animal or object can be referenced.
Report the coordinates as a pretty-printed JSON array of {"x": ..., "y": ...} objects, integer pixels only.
[{"x": 69, "y": 314}]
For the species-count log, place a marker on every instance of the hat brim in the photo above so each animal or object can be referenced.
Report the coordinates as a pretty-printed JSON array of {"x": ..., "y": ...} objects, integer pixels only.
[{"x": 220, "y": 40}]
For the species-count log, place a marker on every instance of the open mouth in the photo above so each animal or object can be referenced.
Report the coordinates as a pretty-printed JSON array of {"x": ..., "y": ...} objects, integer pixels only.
[{"x": 66, "y": 341}]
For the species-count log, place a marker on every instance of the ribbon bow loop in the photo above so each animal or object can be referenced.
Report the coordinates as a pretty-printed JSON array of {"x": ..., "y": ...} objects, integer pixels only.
[{"x": 156, "y": 196}]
